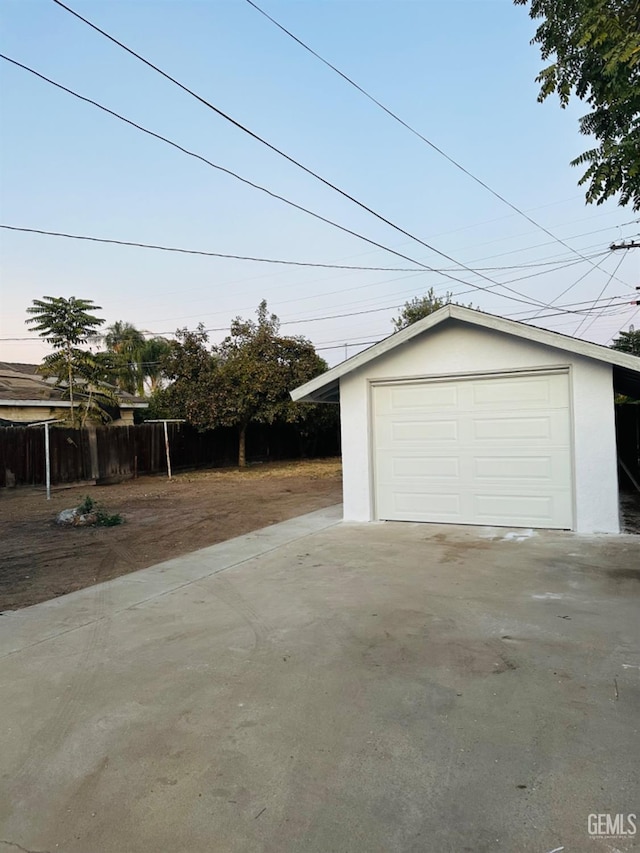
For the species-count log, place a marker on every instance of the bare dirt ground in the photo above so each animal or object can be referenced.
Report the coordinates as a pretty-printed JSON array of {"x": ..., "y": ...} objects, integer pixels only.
[{"x": 162, "y": 519}]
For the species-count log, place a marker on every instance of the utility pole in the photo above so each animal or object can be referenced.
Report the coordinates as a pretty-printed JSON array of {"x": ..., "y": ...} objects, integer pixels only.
[{"x": 632, "y": 244}]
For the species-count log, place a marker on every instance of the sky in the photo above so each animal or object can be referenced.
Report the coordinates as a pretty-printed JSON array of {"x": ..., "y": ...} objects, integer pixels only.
[{"x": 462, "y": 73}]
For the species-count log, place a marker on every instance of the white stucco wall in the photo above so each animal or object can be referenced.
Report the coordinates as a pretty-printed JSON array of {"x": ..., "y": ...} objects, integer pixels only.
[{"x": 457, "y": 348}]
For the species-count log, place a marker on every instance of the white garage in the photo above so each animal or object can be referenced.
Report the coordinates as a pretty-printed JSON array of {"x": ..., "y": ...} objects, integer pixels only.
[{"x": 468, "y": 418}]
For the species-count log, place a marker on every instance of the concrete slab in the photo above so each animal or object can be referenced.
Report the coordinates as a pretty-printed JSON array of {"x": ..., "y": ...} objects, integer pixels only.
[
  {"x": 356, "y": 688},
  {"x": 19, "y": 628}
]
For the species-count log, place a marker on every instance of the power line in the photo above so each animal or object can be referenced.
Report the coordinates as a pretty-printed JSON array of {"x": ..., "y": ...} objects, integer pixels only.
[
  {"x": 558, "y": 264},
  {"x": 522, "y": 299},
  {"x": 412, "y": 292},
  {"x": 577, "y": 282},
  {"x": 584, "y": 311},
  {"x": 281, "y": 153},
  {"x": 557, "y": 260},
  {"x": 163, "y": 248},
  {"x": 599, "y": 297},
  {"x": 412, "y": 130},
  {"x": 210, "y": 163},
  {"x": 549, "y": 242},
  {"x": 374, "y": 311},
  {"x": 473, "y": 286},
  {"x": 562, "y": 310},
  {"x": 457, "y": 293},
  {"x": 339, "y": 344},
  {"x": 204, "y": 253}
]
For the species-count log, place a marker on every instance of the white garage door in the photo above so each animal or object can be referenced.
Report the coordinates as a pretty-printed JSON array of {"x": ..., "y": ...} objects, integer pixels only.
[{"x": 493, "y": 451}]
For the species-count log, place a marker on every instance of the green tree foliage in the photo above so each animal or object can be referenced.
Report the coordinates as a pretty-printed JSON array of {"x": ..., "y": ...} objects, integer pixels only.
[
  {"x": 420, "y": 307},
  {"x": 137, "y": 360},
  {"x": 97, "y": 396},
  {"x": 189, "y": 364},
  {"x": 153, "y": 353},
  {"x": 595, "y": 47},
  {"x": 256, "y": 371},
  {"x": 245, "y": 379},
  {"x": 67, "y": 325},
  {"x": 628, "y": 342},
  {"x": 126, "y": 343}
]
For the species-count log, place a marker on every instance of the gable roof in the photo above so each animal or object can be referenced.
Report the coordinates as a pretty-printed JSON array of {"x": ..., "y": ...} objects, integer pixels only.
[{"x": 325, "y": 388}]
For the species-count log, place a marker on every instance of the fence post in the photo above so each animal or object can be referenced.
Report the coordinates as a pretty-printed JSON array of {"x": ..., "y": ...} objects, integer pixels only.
[
  {"x": 47, "y": 457},
  {"x": 93, "y": 453},
  {"x": 47, "y": 461},
  {"x": 166, "y": 421},
  {"x": 166, "y": 448}
]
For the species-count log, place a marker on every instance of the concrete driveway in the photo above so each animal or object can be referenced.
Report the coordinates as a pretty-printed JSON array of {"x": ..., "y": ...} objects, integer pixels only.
[{"x": 330, "y": 688}]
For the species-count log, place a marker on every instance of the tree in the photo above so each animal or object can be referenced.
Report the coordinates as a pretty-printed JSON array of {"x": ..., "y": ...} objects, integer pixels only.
[
  {"x": 137, "y": 359},
  {"x": 66, "y": 325},
  {"x": 257, "y": 369},
  {"x": 628, "y": 342},
  {"x": 189, "y": 364},
  {"x": 126, "y": 343},
  {"x": 246, "y": 379},
  {"x": 595, "y": 45},
  {"x": 92, "y": 379},
  {"x": 152, "y": 355},
  {"x": 420, "y": 307}
]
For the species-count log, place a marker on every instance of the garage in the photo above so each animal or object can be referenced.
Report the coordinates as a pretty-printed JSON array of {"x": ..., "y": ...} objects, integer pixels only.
[
  {"x": 469, "y": 418},
  {"x": 479, "y": 450}
]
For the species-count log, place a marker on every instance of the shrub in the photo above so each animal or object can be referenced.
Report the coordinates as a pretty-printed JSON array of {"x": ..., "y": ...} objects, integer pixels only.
[{"x": 103, "y": 518}]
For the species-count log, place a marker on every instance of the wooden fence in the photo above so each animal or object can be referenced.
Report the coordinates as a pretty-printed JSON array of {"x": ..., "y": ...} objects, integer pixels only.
[{"x": 112, "y": 454}]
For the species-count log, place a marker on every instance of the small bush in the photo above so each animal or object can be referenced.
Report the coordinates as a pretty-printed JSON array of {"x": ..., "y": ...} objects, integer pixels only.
[
  {"x": 105, "y": 520},
  {"x": 88, "y": 505}
]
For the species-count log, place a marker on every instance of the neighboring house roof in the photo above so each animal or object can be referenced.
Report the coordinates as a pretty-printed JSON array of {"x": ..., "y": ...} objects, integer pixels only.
[
  {"x": 20, "y": 384},
  {"x": 20, "y": 367},
  {"x": 326, "y": 387},
  {"x": 4, "y": 422}
]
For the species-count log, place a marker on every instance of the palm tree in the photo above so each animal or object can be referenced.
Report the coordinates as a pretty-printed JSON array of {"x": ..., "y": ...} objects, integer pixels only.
[
  {"x": 127, "y": 343},
  {"x": 65, "y": 324},
  {"x": 153, "y": 353}
]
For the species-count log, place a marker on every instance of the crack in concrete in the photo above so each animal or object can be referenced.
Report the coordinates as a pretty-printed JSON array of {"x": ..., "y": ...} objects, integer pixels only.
[{"x": 20, "y": 847}]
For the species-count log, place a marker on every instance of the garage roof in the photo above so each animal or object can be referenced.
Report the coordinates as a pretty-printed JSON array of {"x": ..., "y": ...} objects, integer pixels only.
[{"x": 326, "y": 387}]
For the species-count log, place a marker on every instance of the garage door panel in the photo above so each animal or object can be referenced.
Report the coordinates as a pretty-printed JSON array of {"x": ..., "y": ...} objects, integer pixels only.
[
  {"x": 535, "y": 393},
  {"x": 479, "y": 471},
  {"x": 418, "y": 431},
  {"x": 430, "y": 467},
  {"x": 431, "y": 397},
  {"x": 485, "y": 463},
  {"x": 518, "y": 468},
  {"x": 519, "y": 429},
  {"x": 435, "y": 397},
  {"x": 550, "y": 426},
  {"x": 518, "y": 510},
  {"x": 417, "y": 503}
]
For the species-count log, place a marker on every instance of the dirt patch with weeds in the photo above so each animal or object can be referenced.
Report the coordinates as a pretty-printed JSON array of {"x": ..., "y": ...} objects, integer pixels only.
[{"x": 162, "y": 519}]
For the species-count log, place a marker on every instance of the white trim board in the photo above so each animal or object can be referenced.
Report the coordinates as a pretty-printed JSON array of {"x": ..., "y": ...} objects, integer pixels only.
[{"x": 311, "y": 391}]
